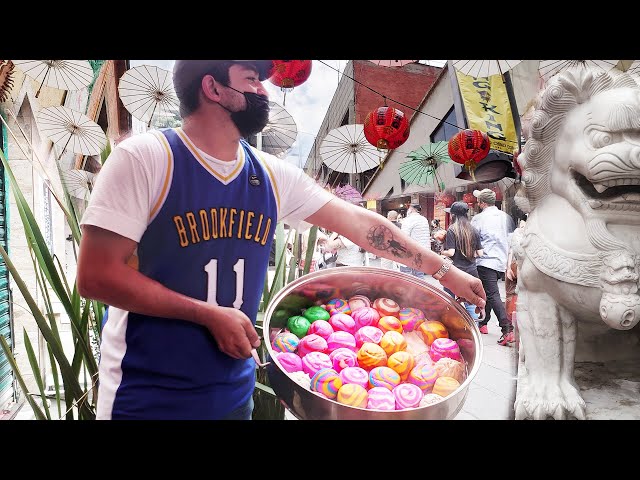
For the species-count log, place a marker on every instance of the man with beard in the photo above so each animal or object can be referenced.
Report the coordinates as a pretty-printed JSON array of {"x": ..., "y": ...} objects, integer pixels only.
[{"x": 198, "y": 207}]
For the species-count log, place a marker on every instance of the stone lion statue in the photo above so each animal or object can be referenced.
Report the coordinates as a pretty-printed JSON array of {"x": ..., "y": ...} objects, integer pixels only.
[{"x": 578, "y": 255}]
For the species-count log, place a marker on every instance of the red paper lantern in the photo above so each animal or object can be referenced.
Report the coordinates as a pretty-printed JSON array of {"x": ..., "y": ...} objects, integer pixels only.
[
  {"x": 445, "y": 198},
  {"x": 287, "y": 74},
  {"x": 469, "y": 198},
  {"x": 386, "y": 127},
  {"x": 468, "y": 148}
]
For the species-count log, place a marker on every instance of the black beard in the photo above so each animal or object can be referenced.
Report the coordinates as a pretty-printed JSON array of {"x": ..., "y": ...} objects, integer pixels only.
[{"x": 254, "y": 117}]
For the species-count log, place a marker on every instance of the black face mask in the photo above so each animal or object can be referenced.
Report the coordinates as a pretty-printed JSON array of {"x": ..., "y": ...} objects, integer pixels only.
[{"x": 254, "y": 118}]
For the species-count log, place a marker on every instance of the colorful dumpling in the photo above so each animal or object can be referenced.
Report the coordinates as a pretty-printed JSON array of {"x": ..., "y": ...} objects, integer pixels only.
[
  {"x": 322, "y": 328},
  {"x": 368, "y": 334},
  {"x": 352, "y": 395},
  {"x": 338, "y": 305},
  {"x": 384, "y": 377},
  {"x": 445, "y": 347},
  {"x": 371, "y": 356},
  {"x": 381, "y": 398},
  {"x": 327, "y": 382},
  {"x": 365, "y": 316},
  {"x": 402, "y": 362},
  {"x": 407, "y": 395},
  {"x": 289, "y": 361},
  {"x": 410, "y": 318},
  {"x": 389, "y": 323},
  {"x": 358, "y": 301},
  {"x": 312, "y": 343},
  {"x": 343, "y": 358},
  {"x": 386, "y": 306},
  {"x": 285, "y": 342},
  {"x": 392, "y": 342}
]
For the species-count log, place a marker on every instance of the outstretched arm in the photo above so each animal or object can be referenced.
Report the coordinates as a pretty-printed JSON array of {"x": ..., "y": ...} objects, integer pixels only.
[
  {"x": 379, "y": 236},
  {"x": 103, "y": 274}
]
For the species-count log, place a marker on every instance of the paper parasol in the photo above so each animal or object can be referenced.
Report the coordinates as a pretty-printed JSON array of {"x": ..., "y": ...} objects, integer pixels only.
[
  {"x": 345, "y": 149},
  {"x": 72, "y": 130},
  {"x": 147, "y": 93},
  {"x": 62, "y": 74},
  {"x": 422, "y": 168}
]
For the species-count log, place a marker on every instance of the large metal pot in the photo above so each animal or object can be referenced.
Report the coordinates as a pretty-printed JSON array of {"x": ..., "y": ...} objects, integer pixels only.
[{"x": 343, "y": 282}]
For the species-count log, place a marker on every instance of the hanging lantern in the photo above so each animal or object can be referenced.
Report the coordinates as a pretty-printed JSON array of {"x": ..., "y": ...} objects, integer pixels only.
[
  {"x": 287, "y": 74},
  {"x": 468, "y": 148},
  {"x": 470, "y": 199},
  {"x": 445, "y": 198},
  {"x": 386, "y": 128}
]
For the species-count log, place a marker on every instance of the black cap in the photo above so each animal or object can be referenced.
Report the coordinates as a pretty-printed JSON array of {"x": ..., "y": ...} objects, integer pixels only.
[
  {"x": 458, "y": 208},
  {"x": 416, "y": 207},
  {"x": 185, "y": 72}
]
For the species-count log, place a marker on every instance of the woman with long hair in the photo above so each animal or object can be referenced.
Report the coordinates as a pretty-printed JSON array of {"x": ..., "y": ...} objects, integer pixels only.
[{"x": 462, "y": 244}]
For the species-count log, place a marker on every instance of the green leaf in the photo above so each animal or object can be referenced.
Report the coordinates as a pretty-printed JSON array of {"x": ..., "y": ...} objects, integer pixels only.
[
  {"x": 311, "y": 244},
  {"x": 12, "y": 361},
  {"x": 35, "y": 368}
]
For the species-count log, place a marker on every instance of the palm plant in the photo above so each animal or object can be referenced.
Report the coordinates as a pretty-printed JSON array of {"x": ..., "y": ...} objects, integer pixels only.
[{"x": 75, "y": 379}]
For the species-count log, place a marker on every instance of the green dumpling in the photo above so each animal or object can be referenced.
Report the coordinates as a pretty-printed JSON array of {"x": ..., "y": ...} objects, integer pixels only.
[
  {"x": 316, "y": 313},
  {"x": 298, "y": 325}
]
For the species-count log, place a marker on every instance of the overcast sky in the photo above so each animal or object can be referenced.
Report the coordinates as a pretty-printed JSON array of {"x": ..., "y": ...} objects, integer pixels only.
[{"x": 306, "y": 103}]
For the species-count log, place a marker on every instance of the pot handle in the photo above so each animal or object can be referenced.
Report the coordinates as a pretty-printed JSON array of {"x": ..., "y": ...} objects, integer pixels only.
[{"x": 256, "y": 357}]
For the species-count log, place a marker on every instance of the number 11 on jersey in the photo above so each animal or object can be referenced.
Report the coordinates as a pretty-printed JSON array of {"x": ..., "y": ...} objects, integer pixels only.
[{"x": 212, "y": 285}]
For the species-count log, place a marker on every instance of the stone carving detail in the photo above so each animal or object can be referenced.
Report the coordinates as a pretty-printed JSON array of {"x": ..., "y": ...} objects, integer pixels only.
[{"x": 578, "y": 257}]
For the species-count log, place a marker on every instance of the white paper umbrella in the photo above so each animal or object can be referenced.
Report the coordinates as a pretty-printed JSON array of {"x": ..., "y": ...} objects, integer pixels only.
[
  {"x": 62, "y": 74},
  {"x": 484, "y": 68},
  {"x": 393, "y": 63},
  {"x": 147, "y": 93},
  {"x": 79, "y": 183},
  {"x": 549, "y": 68},
  {"x": 280, "y": 133},
  {"x": 72, "y": 130},
  {"x": 345, "y": 149}
]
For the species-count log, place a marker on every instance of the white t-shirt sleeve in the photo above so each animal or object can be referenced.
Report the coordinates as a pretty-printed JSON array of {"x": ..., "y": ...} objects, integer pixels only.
[
  {"x": 127, "y": 187},
  {"x": 300, "y": 196}
]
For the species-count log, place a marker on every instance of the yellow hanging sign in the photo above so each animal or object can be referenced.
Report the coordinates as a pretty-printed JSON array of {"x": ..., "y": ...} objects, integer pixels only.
[{"x": 486, "y": 104}]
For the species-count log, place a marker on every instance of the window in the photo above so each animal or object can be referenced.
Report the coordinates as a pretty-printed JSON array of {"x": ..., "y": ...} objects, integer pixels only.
[{"x": 447, "y": 128}]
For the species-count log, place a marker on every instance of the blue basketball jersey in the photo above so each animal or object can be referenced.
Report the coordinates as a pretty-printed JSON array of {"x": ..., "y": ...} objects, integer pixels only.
[{"x": 209, "y": 241}]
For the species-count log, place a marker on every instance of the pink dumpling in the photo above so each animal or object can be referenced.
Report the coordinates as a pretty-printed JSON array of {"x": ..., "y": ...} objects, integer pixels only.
[
  {"x": 356, "y": 375},
  {"x": 407, "y": 395},
  {"x": 289, "y": 361},
  {"x": 343, "y": 322},
  {"x": 312, "y": 343},
  {"x": 314, "y": 361},
  {"x": 368, "y": 334},
  {"x": 322, "y": 328},
  {"x": 343, "y": 358},
  {"x": 445, "y": 347},
  {"x": 381, "y": 398},
  {"x": 340, "y": 339},
  {"x": 366, "y": 316}
]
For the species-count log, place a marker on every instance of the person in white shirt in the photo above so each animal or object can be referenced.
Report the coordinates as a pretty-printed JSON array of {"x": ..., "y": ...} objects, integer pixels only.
[
  {"x": 198, "y": 206},
  {"x": 417, "y": 227},
  {"x": 392, "y": 215},
  {"x": 494, "y": 226},
  {"x": 348, "y": 252}
]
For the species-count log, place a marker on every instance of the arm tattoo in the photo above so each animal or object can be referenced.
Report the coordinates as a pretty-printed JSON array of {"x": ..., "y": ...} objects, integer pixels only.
[{"x": 381, "y": 237}]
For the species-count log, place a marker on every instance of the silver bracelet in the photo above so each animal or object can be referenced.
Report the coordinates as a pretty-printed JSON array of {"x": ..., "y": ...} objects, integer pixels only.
[{"x": 442, "y": 271}]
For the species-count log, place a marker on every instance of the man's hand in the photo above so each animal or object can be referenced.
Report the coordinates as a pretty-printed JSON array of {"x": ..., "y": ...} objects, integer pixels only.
[
  {"x": 232, "y": 329},
  {"x": 465, "y": 286}
]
